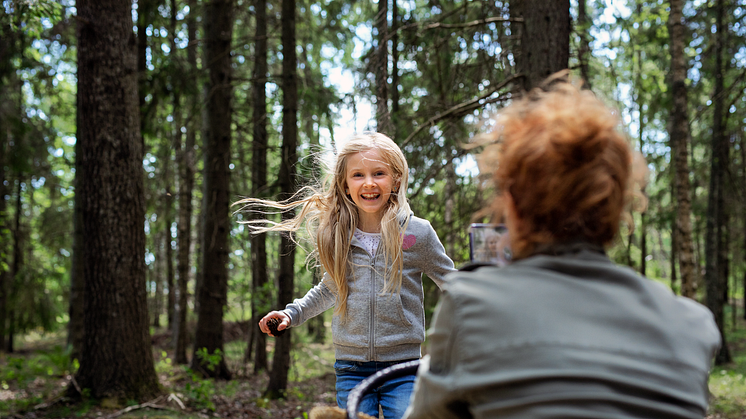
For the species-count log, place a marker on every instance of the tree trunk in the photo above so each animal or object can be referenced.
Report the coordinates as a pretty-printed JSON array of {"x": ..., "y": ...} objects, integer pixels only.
[
  {"x": 584, "y": 51},
  {"x": 679, "y": 134},
  {"x": 641, "y": 139},
  {"x": 395, "y": 120},
  {"x": 75, "y": 327},
  {"x": 383, "y": 116},
  {"x": 6, "y": 68},
  {"x": 116, "y": 359},
  {"x": 186, "y": 187},
  {"x": 174, "y": 141},
  {"x": 168, "y": 260},
  {"x": 18, "y": 261},
  {"x": 449, "y": 209},
  {"x": 4, "y": 239},
  {"x": 674, "y": 255},
  {"x": 544, "y": 39},
  {"x": 260, "y": 296},
  {"x": 278, "y": 378},
  {"x": 213, "y": 292},
  {"x": 158, "y": 278},
  {"x": 144, "y": 19},
  {"x": 743, "y": 214},
  {"x": 714, "y": 262}
]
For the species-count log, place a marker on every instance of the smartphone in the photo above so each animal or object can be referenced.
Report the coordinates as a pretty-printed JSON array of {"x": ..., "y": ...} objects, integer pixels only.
[{"x": 489, "y": 243}]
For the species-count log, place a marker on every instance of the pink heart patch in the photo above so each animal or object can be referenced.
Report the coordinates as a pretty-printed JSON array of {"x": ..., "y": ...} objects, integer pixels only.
[{"x": 408, "y": 241}]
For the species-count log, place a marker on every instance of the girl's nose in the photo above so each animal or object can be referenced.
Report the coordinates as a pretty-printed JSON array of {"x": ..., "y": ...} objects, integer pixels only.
[{"x": 369, "y": 183}]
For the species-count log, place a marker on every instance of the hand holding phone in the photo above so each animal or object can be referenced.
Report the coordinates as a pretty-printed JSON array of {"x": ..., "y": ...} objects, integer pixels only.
[{"x": 489, "y": 243}]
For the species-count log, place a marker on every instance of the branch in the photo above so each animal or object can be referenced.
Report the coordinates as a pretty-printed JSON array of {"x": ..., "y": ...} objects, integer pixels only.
[
  {"x": 461, "y": 107},
  {"x": 469, "y": 24},
  {"x": 434, "y": 170},
  {"x": 151, "y": 404}
]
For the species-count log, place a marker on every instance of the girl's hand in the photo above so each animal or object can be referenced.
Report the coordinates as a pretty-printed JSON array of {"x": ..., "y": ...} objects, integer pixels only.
[{"x": 282, "y": 317}]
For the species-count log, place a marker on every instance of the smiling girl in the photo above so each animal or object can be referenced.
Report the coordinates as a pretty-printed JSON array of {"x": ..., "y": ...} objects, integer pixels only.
[{"x": 373, "y": 251}]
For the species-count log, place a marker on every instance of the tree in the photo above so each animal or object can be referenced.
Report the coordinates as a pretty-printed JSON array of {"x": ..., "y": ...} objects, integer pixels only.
[
  {"x": 278, "y": 378},
  {"x": 259, "y": 185},
  {"x": 381, "y": 68},
  {"x": 679, "y": 142},
  {"x": 544, "y": 37},
  {"x": 213, "y": 291},
  {"x": 186, "y": 186},
  {"x": 584, "y": 51},
  {"x": 715, "y": 280},
  {"x": 116, "y": 359}
]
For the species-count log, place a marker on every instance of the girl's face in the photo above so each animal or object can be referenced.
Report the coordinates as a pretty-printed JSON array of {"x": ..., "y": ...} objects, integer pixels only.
[{"x": 370, "y": 181}]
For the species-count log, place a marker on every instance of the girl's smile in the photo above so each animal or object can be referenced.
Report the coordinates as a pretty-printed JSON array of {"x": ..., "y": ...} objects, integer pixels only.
[{"x": 369, "y": 184}]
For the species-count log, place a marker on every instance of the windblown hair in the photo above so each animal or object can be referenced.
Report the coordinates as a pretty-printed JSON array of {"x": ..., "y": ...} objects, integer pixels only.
[
  {"x": 569, "y": 171},
  {"x": 330, "y": 216}
]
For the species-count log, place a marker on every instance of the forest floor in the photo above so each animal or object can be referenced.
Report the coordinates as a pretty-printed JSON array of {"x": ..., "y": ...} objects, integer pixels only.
[
  {"x": 33, "y": 379},
  {"x": 32, "y": 386}
]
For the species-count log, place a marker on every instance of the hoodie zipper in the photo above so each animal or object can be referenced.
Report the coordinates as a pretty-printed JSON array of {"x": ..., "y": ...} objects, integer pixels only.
[{"x": 372, "y": 337}]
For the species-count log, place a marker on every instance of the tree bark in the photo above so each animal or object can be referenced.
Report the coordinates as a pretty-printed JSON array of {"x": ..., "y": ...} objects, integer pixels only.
[
  {"x": 641, "y": 140},
  {"x": 175, "y": 143},
  {"x": 281, "y": 360},
  {"x": 75, "y": 327},
  {"x": 18, "y": 261},
  {"x": 584, "y": 52},
  {"x": 6, "y": 70},
  {"x": 679, "y": 143},
  {"x": 715, "y": 280},
  {"x": 168, "y": 205},
  {"x": 544, "y": 39},
  {"x": 743, "y": 215},
  {"x": 186, "y": 187},
  {"x": 213, "y": 293},
  {"x": 259, "y": 275},
  {"x": 381, "y": 66},
  {"x": 395, "y": 120},
  {"x": 116, "y": 358}
]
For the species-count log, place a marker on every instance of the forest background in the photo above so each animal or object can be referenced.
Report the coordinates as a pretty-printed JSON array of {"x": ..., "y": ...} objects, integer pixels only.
[{"x": 128, "y": 128}]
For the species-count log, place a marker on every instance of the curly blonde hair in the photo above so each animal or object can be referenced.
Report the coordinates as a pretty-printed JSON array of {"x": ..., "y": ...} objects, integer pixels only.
[
  {"x": 330, "y": 216},
  {"x": 559, "y": 156}
]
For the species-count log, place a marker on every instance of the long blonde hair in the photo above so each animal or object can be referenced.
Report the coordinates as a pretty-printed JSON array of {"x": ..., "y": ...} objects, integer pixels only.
[{"x": 330, "y": 216}]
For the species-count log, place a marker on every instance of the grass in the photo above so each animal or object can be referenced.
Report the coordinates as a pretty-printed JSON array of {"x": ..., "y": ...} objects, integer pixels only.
[{"x": 728, "y": 382}]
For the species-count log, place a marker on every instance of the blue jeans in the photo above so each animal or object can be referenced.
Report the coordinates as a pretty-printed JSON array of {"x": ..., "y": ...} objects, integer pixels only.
[{"x": 393, "y": 396}]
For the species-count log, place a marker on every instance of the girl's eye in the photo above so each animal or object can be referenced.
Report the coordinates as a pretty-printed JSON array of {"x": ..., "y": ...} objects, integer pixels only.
[
  {"x": 357, "y": 175},
  {"x": 380, "y": 173}
]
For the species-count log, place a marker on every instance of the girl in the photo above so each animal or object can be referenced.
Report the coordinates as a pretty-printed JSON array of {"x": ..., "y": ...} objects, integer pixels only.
[{"x": 374, "y": 252}]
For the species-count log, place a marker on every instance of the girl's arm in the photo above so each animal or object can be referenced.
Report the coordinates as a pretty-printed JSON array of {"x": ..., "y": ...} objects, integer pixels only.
[
  {"x": 317, "y": 300},
  {"x": 436, "y": 263}
]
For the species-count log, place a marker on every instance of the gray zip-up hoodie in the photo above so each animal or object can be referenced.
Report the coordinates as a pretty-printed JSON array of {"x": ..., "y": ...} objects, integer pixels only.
[{"x": 377, "y": 326}]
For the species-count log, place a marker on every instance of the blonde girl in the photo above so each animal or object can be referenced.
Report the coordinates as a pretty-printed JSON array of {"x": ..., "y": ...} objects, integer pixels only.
[{"x": 373, "y": 251}]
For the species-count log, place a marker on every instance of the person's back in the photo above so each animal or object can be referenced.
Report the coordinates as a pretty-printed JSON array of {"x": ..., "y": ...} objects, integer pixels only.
[
  {"x": 565, "y": 336},
  {"x": 562, "y": 332}
]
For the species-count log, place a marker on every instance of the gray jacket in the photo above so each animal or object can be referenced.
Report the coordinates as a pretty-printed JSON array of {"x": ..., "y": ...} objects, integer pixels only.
[
  {"x": 564, "y": 336},
  {"x": 380, "y": 327}
]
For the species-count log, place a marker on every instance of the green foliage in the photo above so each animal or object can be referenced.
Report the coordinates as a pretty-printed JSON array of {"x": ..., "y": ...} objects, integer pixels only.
[
  {"x": 209, "y": 360},
  {"x": 200, "y": 390}
]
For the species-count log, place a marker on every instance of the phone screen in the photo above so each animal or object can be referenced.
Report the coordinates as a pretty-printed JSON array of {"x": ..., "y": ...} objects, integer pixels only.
[{"x": 489, "y": 243}]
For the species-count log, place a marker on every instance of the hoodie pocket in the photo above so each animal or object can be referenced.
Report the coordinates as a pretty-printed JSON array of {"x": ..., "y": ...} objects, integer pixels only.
[
  {"x": 353, "y": 329},
  {"x": 392, "y": 326}
]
